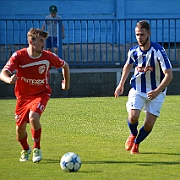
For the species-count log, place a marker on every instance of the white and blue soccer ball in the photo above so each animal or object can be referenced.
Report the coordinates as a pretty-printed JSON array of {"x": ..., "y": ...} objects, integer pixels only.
[{"x": 70, "y": 162}]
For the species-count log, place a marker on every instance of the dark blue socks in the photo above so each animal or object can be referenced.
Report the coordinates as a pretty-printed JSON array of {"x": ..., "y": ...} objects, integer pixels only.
[
  {"x": 133, "y": 128},
  {"x": 142, "y": 135}
]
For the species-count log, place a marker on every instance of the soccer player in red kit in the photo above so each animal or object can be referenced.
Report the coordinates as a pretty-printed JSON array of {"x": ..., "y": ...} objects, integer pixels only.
[{"x": 32, "y": 90}]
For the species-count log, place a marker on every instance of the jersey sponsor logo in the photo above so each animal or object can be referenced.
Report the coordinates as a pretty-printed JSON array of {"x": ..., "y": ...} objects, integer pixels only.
[
  {"x": 41, "y": 69},
  {"x": 33, "y": 81},
  {"x": 144, "y": 69}
]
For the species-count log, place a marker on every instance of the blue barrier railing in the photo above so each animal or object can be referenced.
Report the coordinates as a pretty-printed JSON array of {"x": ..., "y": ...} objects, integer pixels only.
[{"x": 92, "y": 42}]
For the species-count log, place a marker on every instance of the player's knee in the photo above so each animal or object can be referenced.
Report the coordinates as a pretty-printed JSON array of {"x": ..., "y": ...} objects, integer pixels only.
[
  {"x": 133, "y": 116},
  {"x": 133, "y": 119},
  {"x": 34, "y": 116},
  {"x": 20, "y": 133},
  {"x": 34, "y": 120}
]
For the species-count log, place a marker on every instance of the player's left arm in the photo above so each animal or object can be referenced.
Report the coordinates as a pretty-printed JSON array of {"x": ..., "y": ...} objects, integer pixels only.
[
  {"x": 168, "y": 76},
  {"x": 60, "y": 63},
  {"x": 66, "y": 76}
]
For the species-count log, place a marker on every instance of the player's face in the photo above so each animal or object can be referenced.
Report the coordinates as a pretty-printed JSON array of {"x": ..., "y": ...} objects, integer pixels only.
[
  {"x": 38, "y": 44},
  {"x": 142, "y": 36}
]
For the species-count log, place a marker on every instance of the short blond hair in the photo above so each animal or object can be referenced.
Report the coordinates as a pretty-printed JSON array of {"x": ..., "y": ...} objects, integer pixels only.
[
  {"x": 143, "y": 24},
  {"x": 33, "y": 33}
]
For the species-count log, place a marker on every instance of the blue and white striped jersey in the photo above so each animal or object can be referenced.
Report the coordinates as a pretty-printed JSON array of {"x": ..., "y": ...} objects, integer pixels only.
[{"x": 149, "y": 66}]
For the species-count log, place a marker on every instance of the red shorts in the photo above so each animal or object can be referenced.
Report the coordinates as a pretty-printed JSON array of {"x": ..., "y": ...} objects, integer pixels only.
[{"x": 24, "y": 107}]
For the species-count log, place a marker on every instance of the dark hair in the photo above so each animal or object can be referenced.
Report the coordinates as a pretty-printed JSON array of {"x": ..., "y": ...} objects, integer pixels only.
[
  {"x": 33, "y": 33},
  {"x": 143, "y": 24}
]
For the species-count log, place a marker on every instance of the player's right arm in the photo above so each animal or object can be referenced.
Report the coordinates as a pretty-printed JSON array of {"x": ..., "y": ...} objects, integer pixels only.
[
  {"x": 7, "y": 77},
  {"x": 125, "y": 73},
  {"x": 6, "y": 74}
]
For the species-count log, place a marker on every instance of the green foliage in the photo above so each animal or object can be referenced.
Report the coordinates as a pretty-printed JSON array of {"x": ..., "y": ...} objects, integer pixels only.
[{"x": 95, "y": 129}]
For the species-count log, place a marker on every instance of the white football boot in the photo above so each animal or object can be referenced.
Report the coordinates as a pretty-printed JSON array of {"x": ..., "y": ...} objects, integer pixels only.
[
  {"x": 25, "y": 155},
  {"x": 37, "y": 155}
]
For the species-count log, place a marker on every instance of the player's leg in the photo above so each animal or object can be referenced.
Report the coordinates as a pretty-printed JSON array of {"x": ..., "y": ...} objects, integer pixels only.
[
  {"x": 55, "y": 45},
  {"x": 144, "y": 132},
  {"x": 132, "y": 124},
  {"x": 133, "y": 117},
  {"x": 34, "y": 119},
  {"x": 21, "y": 136},
  {"x": 146, "y": 128},
  {"x": 38, "y": 106},
  {"x": 21, "y": 133},
  {"x": 152, "y": 108},
  {"x": 134, "y": 105},
  {"x": 48, "y": 44}
]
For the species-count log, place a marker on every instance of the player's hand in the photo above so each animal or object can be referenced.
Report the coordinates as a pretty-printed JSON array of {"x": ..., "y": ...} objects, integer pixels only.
[
  {"x": 13, "y": 79},
  {"x": 119, "y": 90},
  {"x": 64, "y": 85},
  {"x": 152, "y": 94}
]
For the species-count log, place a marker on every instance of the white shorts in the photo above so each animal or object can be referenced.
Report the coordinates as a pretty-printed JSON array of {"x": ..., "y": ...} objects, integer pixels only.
[{"x": 139, "y": 100}]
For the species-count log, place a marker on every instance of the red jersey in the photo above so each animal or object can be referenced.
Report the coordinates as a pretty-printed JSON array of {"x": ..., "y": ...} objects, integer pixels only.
[{"x": 32, "y": 73}]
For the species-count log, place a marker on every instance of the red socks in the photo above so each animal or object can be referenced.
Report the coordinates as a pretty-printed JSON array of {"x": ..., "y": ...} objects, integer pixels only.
[
  {"x": 24, "y": 143},
  {"x": 36, "y": 135}
]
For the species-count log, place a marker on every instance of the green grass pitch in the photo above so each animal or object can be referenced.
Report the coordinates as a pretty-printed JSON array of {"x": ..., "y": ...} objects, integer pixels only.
[{"x": 96, "y": 129}]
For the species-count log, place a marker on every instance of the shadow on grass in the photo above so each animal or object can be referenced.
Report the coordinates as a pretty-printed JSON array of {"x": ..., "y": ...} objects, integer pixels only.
[
  {"x": 162, "y": 153},
  {"x": 142, "y": 163},
  {"x": 56, "y": 161},
  {"x": 49, "y": 161}
]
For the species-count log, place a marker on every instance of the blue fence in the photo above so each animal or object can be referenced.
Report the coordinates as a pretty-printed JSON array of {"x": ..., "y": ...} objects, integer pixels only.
[{"x": 92, "y": 42}]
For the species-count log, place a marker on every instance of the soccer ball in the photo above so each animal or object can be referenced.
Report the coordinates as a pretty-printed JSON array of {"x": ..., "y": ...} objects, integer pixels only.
[{"x": 70, "y": 162}]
